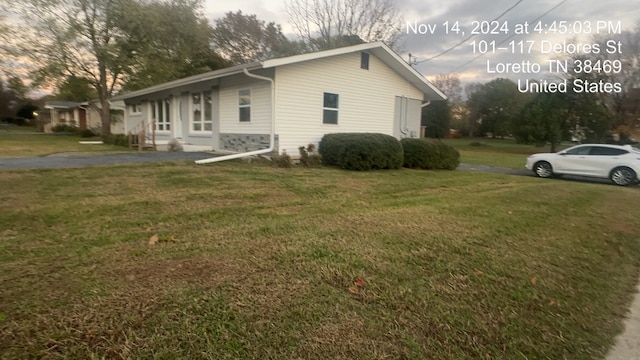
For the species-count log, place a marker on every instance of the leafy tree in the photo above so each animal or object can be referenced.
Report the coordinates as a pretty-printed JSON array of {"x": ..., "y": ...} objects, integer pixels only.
[
  {"x": 495, "y": 105},
  {"x": 109, "y": 42},
  {"x": 77, "y": 89},
  {"x": 326, "y": 24},
  {"x": 165, "y": 41},
  {"x": 624, "y": 113},
  {"x": 552, "y": 117},
  {"x": 437, "y": 119},
  {"x": 244, "y": 38},
  {"x": 542, "y": 120},
  {"x": 26, "y": 111}
]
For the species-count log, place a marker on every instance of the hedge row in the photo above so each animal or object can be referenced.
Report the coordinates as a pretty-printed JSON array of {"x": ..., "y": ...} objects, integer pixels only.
[
  {"x": 367, "y": 151},
  {"x": 361, "y": 151},
  {"x": 424, "y": 154}
]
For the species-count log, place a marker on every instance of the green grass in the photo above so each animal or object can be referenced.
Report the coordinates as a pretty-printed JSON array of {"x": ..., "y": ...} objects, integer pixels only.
[
  {"x": 23, "y": 144},
  {"x": 259, "y": 262},
  {"x": 495, "y": 152}
]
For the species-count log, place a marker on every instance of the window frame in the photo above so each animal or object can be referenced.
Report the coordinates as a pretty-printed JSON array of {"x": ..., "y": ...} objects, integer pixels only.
[
  {"x": 203, "y": 122},
  {"x": 242, "y": 106},
  {"x": 162, "y": 122},
  {"x": 326, "y": 109},
  {"x": 135, "y": 109},
  {"x": 364, "y": 60}
]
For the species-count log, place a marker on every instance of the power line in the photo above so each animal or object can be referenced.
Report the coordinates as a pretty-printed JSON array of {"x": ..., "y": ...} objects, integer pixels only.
[
  {"x": 509, "y": 37},
  {"x": 469, "y": 37}
]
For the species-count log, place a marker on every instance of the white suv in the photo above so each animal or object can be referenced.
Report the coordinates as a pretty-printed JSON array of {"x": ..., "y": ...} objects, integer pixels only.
[{"x": 620, "y": 163}]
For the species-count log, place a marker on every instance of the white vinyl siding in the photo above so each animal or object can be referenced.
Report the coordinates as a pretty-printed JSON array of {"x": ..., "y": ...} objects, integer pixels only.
[
  {"x": 367, "y": 98},
  {"x": 260, "y": 109}
]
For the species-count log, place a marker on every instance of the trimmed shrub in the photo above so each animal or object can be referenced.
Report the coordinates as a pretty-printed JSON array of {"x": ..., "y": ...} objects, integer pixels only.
[
  {"x": 87, "y": 133},
  {"x": 64, "y": 128},
  {"x": 424, "y": 154},
  {"x": 361, "y": 151},
  {"x": 115, "y": 139}
]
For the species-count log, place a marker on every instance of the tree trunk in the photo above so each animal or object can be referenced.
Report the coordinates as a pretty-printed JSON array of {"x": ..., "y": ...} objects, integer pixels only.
[{"x": 105, "y": 115}]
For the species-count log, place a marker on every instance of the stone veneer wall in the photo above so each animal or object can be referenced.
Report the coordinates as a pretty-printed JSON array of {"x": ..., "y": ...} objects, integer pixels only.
[{"x": 245, "y": 142}]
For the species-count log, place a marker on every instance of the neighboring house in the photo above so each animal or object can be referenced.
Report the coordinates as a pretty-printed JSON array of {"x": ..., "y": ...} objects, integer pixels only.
[
  {"x": 296, "y": 99},
  {"x": 84, "y": 115}
]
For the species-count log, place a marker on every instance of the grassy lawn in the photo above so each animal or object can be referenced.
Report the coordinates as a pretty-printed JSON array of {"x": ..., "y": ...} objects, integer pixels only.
[
  {"x": 23, "y": 144},
  {"x": 258, "y": 262},
  {"x": 496, "y": 152}
]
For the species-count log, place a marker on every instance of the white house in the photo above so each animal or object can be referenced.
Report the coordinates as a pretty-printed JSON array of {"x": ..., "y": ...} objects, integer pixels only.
[
  {"x": 84, "y": 115},
  {"x": 293, "y": 100}
]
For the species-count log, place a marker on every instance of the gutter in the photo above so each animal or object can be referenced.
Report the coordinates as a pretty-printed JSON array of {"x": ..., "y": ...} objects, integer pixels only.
[{"x": 273, "y": 127}]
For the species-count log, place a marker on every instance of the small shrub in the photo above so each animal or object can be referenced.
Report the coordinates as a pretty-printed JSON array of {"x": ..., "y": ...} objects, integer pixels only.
[
  {"x": 86, "y": 133},
  {"x": 283, "y": 160},
  {"x": 424, "y": 154},
  {"x": 308, "y": 157},
  {"x": 361, "y": 151},
  {"x": 175, "y": 146},
  {"x": 64, "y": 128},
  {"x": 115, "y": 139}
]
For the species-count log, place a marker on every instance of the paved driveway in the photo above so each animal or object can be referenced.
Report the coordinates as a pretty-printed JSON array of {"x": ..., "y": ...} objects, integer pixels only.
[{"x": 69, "y": 160}]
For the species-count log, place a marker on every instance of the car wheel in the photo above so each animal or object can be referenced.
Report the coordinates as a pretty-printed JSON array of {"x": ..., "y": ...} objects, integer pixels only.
[
  {"x": 623, "y": 176},
  {"x": 543, "y": 169}
]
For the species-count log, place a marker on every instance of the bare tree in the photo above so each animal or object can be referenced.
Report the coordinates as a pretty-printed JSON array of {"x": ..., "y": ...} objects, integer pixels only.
[
  {"x": 450, "y": 85},
  {"x": 325, "y": 24}
]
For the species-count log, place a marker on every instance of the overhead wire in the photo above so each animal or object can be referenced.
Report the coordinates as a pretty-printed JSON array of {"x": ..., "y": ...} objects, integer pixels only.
[
  {"x": 509, "y": 37},
  {"x": 469, "y": 37}
]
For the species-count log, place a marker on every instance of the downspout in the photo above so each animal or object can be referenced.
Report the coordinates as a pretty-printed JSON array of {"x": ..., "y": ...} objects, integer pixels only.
[{"x": 273, "y": 127}]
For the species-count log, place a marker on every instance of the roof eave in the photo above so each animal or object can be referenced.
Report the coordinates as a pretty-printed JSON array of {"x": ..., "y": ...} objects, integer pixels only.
[{"x": 211, "y": 75}]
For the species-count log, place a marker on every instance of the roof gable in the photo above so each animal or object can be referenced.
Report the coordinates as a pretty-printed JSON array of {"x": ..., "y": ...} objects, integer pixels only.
[{"x": 380, "y": 50}]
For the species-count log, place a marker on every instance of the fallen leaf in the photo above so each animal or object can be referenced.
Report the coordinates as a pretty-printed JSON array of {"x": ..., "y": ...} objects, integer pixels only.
[
  {"x": 153, "y": 240},
  {"x": 148, "y": 229},
  {"x": 354, "y": 289},
  {"x": 173, "y": 238},
  {"x": 533, "y": 280},
  {"x": 359, "y": 282},
  {"x": 479, "y": 272}
]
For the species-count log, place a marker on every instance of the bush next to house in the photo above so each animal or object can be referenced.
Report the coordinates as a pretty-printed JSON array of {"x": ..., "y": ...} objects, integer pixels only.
[
  {"x": 64, "y": 128},
  {"x": 115, "y": 139},
  {"x": 425, "y": 154},
  {"x": 361, "y": 151}
]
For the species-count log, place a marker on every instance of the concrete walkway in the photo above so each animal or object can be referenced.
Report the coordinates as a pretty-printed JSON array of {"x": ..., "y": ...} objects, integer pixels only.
[{"x": 627, "y": 346}]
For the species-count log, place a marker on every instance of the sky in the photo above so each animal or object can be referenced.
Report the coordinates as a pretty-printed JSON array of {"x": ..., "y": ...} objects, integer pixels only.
[{"x": 565, "y": 24}]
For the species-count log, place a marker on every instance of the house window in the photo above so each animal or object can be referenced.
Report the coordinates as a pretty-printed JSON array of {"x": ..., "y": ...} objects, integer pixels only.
[
  {"x": 244, "y": 105},
  {"x": 135, "y": 109},
  {"x": 330, "y": 109},
  {"x": 364, "y": 61},
  {"x": 161, "y": 113},
  {"x": 202, "y": 112}
]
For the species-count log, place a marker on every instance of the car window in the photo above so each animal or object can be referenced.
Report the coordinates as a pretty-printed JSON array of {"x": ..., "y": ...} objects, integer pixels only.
[
  {"x": 608, "y": 151},
  {"x": 582, "y": 150}
]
